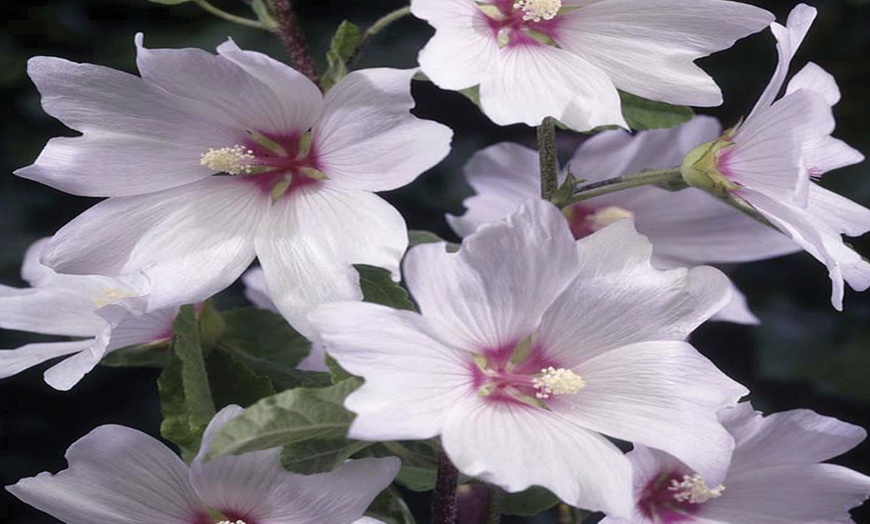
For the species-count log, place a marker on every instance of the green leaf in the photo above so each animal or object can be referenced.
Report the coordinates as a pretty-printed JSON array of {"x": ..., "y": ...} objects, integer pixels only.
[
  {"x": 641, "y": 113},
  {"x": 378, "y": 288},
  {"x": 389, "y": 507},
  {"x": 471, "y": 93},
  {"x": 419, "y": 462},
  {"x": 417, "y": 237},
  {"x": 263, "y": 10},
  {"x": 232, "y": 382},
  {"x": 288, "y": 418},
  {"x": 155, "y": 355},
  {"x": 529, "y": 502},
  {"x": 266, "y": 344},
  {"x": 345, "y": 42},
  {"x": 336, "y": 372},
  {"x": 321, "y": 455},
  {"x": 175, "y": 426}
]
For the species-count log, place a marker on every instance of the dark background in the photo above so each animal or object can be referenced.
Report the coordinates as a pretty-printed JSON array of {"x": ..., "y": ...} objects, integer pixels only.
[{"x": 804, "y": 355}]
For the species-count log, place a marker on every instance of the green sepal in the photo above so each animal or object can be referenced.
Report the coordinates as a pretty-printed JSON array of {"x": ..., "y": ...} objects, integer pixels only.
[{"x": 344, "y": 44}]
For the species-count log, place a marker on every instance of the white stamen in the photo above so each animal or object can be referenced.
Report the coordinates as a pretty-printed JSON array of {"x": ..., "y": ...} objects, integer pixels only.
[
  {"x": 537, "y": 10},
  {"x": 110, "y": 296},
  {"x": 694, "y": 490},
  {"x": 234, "y": 160},
  {"x": 608, "y": 215},
  {"x": 557, "y": 382},
  {"x": 236, "y": 522}
]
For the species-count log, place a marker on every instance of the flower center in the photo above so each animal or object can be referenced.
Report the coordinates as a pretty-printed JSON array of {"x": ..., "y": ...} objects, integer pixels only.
[
  {"x": 232, "y": 522},
  {"x": 584, "y": 221},
  {"x": 537, "y": 10},
  {"x": 522, "y": 373},
  {"x": 278, "y": 164},
  {"x": 674, "y": 497}
]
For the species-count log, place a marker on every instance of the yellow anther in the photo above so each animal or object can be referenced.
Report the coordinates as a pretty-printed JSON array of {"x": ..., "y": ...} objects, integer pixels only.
[
  {"x": 236, "y": 160},
  {"x": 537, "y": 10},
  {"x": 557, "y": 382},
  {"x": 694, "y": 490},
  {"x": 110, "y": 296}
]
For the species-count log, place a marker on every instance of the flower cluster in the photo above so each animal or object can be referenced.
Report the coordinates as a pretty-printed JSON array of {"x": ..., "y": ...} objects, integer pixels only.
[{"x": 555, "y": 336}]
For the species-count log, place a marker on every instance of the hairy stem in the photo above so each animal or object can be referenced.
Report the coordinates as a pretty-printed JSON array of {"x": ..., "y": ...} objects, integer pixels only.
[
  {"x": 494, "y": 505},
  {"x": 444, "y": 505},
  {"x": 379, "y": 25},
  {"x": 294, "y": 41},
  {"x": 229, "y": 16},
  {"x": 548, "y": 158},
  {"x": 644, "y": 178}
]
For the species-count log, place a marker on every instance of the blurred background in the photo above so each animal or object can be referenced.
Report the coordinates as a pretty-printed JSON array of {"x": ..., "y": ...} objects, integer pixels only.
[{"x": 804, "y": 355}]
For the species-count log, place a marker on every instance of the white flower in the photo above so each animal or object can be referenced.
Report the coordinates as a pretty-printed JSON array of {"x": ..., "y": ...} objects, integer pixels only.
[
  {"x": 105, "y": 313},
  {"x": 531, "y": 347},
  {"x": 686, "y": 228},
  {"x": 566, "y": 59},
  {"x": 118, "y": 475},
  {"x": 768, "y": 162},
  {"x": 258, "y": 294},
  {"x": 775, "y": 475},
  {"x": 301, "y": 170}
]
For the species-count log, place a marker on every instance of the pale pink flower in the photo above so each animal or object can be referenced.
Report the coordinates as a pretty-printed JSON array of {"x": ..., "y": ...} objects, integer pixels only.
[
  {"x": 118, "y": 475},
  {"x": 304, "y": 164},
  {"x": 687, "y": 228},
  {"x": 775, "y": 475},
  {"x": 566, "y": 59},
  {"x": 530, "y": 347},
  {"x": 769, "y": 159},
  {"x": 103, "y": 314}
]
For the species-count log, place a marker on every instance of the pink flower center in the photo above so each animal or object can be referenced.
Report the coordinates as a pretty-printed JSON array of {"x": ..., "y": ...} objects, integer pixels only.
[
  {"x": 278, "y": 164},
  {"x": 522, "y": 22},
  {"x": 521, "y": 373},
  {"x": 584, "y": 219},
  {"x": 676, "y": 496}
]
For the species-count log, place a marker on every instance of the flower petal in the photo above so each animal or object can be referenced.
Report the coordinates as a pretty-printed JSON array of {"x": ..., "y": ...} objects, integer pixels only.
[
  {"x": 14, "y": 361},
  {"x": 516, "y": 446},
  {"x": 309, "y": 241},
  {"x": 56, "y": 310},
  {"x": 791, "y": 494},
  {"x": 412, "y": 378},
  {"x": 660, "y": 394},
  {"x": 647, "y": 47},
  {"x": 618, "y": 298},
  {"x": 531, "y": 82},
  {"x": 504, "y": 176},
  {"x": 191, "y": 241},
  {"x": 492, "y": 293},
  {"x": 116, "y": 475},
  {"x": 367, "y": 138}
]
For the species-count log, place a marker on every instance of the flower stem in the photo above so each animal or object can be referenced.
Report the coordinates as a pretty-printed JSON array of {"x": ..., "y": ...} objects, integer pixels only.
[
  {"x": 229, "y": 16},
  {"x": 444, "y": 504},
  {"x": 294, "y": 41},
  {"x": 493, "y": 507},
  {"x": 548, "y": 159},
  {"x": 376, "y": 28},
  {"x": 644, "y": 178}
]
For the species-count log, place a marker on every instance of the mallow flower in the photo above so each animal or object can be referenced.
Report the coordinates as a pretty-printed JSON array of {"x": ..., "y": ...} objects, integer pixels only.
[
  {"x": 118, "y": 475},
  {"x": 101, "y": 313},
  {"x": 530, "y": 348},
  {"x": 300, "y": 170},
  {"x": 567, "y": 58},
  {"x": 686, "y": 228},
  {"x": 776, "y": 475},
  {"x": 768, "y": 162}
]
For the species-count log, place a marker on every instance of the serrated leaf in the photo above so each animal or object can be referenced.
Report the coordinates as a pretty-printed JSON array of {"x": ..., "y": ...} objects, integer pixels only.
[
  {"x": 232, "y": 382},
  {"x": 265, "y": 343},
  {"x": 378, "y": 288},
  {"x": 321, "y": 455},
  {"x": 390, "y": 508},
  {"x": 288, "y": 418},
  {"x": 641, "y": 113},
  {"x": 344, "y": 43},
  {"x": 529, "y": 502}
]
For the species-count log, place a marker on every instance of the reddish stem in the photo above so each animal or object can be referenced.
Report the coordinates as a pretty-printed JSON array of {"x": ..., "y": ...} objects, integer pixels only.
[{"x": 294, "y": 41}]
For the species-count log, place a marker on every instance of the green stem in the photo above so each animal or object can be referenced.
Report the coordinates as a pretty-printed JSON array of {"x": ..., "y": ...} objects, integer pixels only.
[
  {"x": 376, "y": 28},
  {"x": 493, "y": 507},
  {"x": 644, "y": 178},
  {"x": 549, "y": 161},
  {"x": 229, "y": 16}
]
